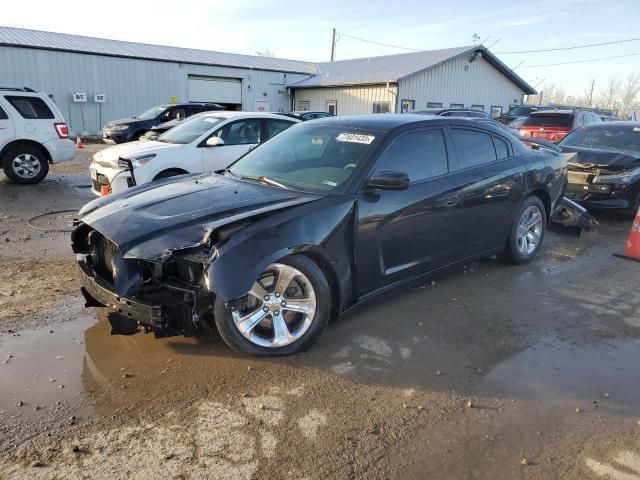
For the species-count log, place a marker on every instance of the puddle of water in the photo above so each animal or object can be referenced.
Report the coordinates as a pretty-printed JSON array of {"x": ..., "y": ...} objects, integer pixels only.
[
  {"x": 42, "y": 368},
  {"x": 607, "y": 373}
]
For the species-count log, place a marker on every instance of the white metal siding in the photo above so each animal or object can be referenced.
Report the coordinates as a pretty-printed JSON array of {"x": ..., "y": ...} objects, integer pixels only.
[
  {"x": 131, "y": 85},
  {"x": 350, "y": 100},
  {"x": 215, "y": 89},
  {"x": 450, "y": 83}
]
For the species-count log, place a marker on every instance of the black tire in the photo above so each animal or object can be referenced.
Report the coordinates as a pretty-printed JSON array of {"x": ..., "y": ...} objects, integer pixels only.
[
  {"x": 15, "y": 175},
  {"x": 234, "y": 339},
  {"x": 514, "y": 254},
  {"x": 137, "y": 135},
  {"x": 168, "y": 173}
]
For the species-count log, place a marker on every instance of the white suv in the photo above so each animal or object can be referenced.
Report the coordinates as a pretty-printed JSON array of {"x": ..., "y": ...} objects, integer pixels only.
[
  {"x": 33, "y": 134},
  {"x": 204, "y": 142}
]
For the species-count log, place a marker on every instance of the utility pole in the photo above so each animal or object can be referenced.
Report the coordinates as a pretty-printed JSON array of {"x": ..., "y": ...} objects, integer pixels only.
[
  {"x": 333, "y": 45},
  {"x": 593, "y": 82}
]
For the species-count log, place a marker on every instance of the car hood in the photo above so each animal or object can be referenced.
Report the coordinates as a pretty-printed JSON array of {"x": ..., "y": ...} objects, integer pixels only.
[
  {"x": 592, "y": 157},
  {"x": 151, "y": 221},
  {"x": 123, "y": 121},
  {"x": 109, "y": 156},
  {"x": 166, "y": 125}
]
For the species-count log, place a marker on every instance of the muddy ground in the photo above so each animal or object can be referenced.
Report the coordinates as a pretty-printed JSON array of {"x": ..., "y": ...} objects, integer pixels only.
[{"x": 490, "y": 372}]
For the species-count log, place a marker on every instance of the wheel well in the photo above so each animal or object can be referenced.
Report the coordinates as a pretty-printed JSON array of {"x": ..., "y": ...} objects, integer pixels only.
[
  {"x": 29, "y": 143},
  {"x": 176, "y": 171},
  {"x": 330, "y": 275},
  {"x": 544, "y": 196}
]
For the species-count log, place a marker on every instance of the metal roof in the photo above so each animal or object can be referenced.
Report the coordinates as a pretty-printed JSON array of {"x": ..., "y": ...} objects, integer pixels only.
[
  {"x": 20, "y": 37},
  {"x": 391, "y": 68}
]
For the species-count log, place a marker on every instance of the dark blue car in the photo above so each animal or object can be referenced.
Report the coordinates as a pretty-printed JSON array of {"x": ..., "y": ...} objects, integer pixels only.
[{"x": 128, "y": 129}]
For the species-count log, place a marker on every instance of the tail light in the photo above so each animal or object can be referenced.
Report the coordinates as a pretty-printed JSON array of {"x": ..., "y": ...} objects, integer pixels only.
[{"x": 61, "y": 130}]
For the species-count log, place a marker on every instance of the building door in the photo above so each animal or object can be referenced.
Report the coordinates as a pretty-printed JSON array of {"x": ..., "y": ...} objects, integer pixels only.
[
  {"x": 332, "y": 107},
  {"x": 225, "y": 91}
]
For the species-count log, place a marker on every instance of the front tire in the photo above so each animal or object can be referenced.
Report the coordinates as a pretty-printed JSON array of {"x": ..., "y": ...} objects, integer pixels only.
[
  {"x": 528, "y": 231},
  {"x": 286, "y": 310},
  {"x": 25, "y": 164}
]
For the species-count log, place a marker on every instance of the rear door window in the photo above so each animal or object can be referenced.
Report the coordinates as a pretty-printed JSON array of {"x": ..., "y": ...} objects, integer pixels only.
[
  {"x": 276, "y": 126},
  {"x": 421, "y": 155},
  {"x": 473, "y": 148},
  {"x": 502, "y": 150},
  {"x": 32, "y": 108}
]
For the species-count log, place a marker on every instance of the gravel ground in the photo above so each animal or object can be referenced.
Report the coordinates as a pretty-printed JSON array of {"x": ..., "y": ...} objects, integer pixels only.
[{"x": 492, "y": 371}]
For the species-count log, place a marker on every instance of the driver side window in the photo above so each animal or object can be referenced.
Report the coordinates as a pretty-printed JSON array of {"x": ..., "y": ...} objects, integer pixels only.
[
  {"x": 421, "y": 155},
  {"x": 241, "y": 132}
]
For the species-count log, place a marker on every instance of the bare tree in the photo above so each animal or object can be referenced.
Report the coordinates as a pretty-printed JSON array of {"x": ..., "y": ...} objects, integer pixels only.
[
  {"x": 265, "y": 53},
  {"x": 609, "y": 96},
  {"x": 629, "y": 92},
  {"x": 554, "y": 94}
]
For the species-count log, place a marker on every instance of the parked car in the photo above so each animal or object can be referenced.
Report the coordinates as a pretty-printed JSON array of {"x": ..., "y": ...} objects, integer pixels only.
[
  {"x": 554, "y": 125},
  {"x": 605, "y": 171},
  {"x": 33, "y": 134},
  {"x": 451, "y": 112},
  {"x": 517, "y": 111},
  {"x": 324, "y": 216},
  {"x": 609, "y": 118},
  {"x": 206, "y": 142},
  {"x": 129, "y": 129},
  {"x": 305, "y": 115}
]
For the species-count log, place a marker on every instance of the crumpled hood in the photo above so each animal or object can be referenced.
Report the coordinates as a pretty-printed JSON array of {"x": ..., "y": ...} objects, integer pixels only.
[
  {"x": 591, "y": 157},
  {"x": 110, "y": 156},
  {"x": 150, "y": 221}
]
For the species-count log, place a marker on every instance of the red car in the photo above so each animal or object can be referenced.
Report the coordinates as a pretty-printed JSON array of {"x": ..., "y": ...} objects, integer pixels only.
[{"x": 554, "y": 125}]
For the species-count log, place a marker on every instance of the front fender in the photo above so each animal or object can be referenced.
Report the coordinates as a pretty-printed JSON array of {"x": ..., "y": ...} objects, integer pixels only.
[{"x": 325, "y": 228}]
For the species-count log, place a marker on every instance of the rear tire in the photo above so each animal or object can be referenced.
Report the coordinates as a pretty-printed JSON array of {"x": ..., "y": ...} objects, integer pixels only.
[
  {"x": 303, "y": 307},
  {"x": 527, "y": 232},
  {"x": 25, "y": 164}
]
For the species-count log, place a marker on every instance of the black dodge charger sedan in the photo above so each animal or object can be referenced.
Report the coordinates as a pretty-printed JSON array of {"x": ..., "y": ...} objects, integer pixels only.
[
  {"x": 324, "y": 216},
  {"x": 604, "y": 173}
]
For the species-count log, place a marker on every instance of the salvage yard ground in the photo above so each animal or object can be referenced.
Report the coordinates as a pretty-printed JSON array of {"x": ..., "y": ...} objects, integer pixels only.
[{"x": 493, "y": 371}]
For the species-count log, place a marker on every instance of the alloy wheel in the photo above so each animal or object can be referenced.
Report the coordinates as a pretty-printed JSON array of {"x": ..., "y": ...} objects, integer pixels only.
[
  {"x": 279, "y": 308},
  {"x": 529, "y": 232},
  {"x": 26, "y": 165}
]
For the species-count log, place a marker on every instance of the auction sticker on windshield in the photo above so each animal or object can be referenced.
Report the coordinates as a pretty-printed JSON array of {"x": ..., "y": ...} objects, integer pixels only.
[{"x": 355, "y": 138}]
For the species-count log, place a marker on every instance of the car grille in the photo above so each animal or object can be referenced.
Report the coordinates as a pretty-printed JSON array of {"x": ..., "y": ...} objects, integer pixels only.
[
  {"x": 578, "y": 177},
  {"x": 101, "y": 250}
]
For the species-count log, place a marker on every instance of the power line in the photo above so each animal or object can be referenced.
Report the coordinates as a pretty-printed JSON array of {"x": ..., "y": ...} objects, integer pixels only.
[
  {"x": 342, "y": 34},
  {"x": 572, "y": 48},
  {"x": 581, "y": 61}
]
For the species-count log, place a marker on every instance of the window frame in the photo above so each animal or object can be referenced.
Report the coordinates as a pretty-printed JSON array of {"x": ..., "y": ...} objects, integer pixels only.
[
  {"x": 10, "y": 99},
  {"x": 434, "y": 105},
  {"x": 3, "y": 114},
  {"x": 456, "y": 105},
  {"x": 492, "y": 135},
  {"x": 264, "y": 134},
  {"x": 491, "y": 109},
  {"x": 380, "y": 102},
  {"x": 407, "y": 100},
  {"x": 475, "y": 107},
  {"x": 301, "y": 108},
  {"x": 262, "y": 127},
  {"x": 389, "y": 142}
]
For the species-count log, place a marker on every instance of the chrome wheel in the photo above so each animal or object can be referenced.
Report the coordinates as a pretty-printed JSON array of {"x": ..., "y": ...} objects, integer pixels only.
[
  {"x": 529, "y": 232},
  {"x": 279, "y": 308},
  {"x": 26, "y": 165}
]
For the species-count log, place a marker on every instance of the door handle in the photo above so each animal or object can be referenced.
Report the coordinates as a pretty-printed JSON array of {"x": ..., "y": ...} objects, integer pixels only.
[{"x": 451, "y": 200}]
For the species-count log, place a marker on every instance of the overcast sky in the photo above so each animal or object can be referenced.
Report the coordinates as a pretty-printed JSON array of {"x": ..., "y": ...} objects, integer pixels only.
[{"x": 302, "y": 30}]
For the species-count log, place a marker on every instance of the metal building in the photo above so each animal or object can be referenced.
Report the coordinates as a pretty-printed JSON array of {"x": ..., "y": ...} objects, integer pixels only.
[
  {"x": 132, "y": 77},
  {"x": 470, "y": 77},
  {"x": 94, "y": 80}
]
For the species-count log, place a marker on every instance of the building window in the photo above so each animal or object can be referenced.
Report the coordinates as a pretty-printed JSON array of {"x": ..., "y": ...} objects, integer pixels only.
[
  {"x": 406, "y": 105},
  {"x": 332, "y": 107},
  {"x": 457, "y": 105},
  {"x": 381, "y": 107},
  {"x": 304, "y": 105},
  {"x": 480, "y": 108},
  {"x": 434, "y": 104},
  {"x": 496, "y": 111}
]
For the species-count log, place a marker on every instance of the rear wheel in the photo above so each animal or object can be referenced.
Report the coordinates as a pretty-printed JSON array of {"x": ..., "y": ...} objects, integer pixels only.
[
  {"x": 25, "y": 164},
  {"x": 286, "y": 310},
  {"x": 528, "y": 231}
]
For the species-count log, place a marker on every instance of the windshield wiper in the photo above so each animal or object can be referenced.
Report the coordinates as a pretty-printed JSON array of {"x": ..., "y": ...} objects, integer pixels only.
[{"x": 263, "y": 179}]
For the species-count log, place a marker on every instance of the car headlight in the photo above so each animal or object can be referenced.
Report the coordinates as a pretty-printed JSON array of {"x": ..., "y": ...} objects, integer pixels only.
[
  {"x": 119, "y": 127},
  {"x": 619, "y": 179},
  {"x": 142, "y": 159}
]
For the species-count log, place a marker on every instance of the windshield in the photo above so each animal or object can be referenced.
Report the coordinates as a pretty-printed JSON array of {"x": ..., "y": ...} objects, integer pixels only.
[
  {"x": 189, "y": 130},
  {"x": 548, "y": 121},
  {"x": 519, "y": 111},
  {"x": 612, "y": 138},
  {"x": 308, "y": 157},
  {"x": 151, "y": 113}
]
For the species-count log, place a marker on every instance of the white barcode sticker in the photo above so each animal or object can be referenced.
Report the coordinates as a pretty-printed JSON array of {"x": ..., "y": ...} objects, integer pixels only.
[{"x": 355, "y": 138}]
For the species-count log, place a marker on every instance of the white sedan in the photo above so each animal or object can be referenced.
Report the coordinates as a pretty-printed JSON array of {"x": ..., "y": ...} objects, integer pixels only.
[{"x": 205, "y": 142}]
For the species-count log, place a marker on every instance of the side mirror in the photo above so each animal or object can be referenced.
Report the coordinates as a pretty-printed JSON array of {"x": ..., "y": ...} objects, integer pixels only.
[
  {"x": 214, "y": 142},
  {"x": 389, "y": 181}
]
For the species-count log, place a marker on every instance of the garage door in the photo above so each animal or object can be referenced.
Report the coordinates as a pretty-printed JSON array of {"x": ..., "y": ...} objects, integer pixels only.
[{"x": 215, "y": 89}]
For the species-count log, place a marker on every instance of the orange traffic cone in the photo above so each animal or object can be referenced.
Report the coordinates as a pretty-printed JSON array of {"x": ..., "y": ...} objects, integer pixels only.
[
  {"x": 104, "y": 190},
  {"x": 632, "y": 247},
  {"x": 79, "y": 142}
]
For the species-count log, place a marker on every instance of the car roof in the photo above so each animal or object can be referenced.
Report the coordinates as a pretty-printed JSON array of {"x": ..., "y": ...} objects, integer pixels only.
[
  {"x": 234, "y": 114},
  {"x": 618, "y": 123},
  {"x": 549, "y": 113}
]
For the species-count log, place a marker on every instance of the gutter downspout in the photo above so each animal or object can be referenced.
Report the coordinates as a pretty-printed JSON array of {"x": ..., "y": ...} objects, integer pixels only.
[{"x": 395, "y": 94}]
